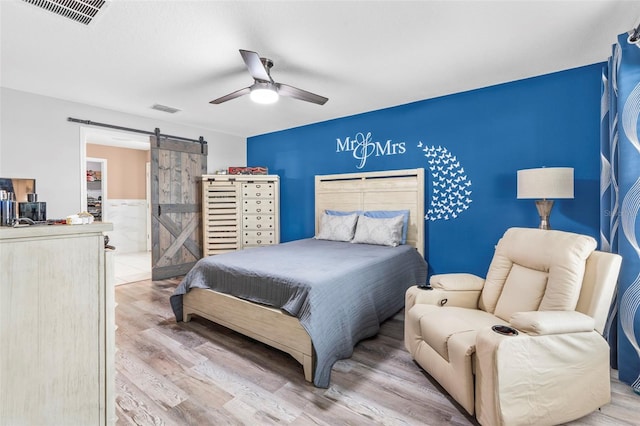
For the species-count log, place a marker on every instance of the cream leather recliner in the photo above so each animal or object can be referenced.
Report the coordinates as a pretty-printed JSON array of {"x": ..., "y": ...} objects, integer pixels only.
[{"x": 555, "y": 290}]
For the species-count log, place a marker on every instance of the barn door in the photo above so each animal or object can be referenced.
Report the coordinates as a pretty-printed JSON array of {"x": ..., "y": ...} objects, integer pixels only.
[{"x": 176, "y": 205}]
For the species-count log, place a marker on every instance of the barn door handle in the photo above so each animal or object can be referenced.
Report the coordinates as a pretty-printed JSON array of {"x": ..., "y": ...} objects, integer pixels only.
[{"x": 159, "y": 210}]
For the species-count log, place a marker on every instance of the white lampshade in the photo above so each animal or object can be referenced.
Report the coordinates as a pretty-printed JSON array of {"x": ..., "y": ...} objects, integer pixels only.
[
  {"x": 264, "y": 93},
  {"x": 546, "y": 183}
]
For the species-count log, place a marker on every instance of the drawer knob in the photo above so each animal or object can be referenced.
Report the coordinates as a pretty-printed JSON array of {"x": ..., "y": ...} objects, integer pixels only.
[
  {"x": 258, "y": 210},
  {"x": 259, "y": 241}
]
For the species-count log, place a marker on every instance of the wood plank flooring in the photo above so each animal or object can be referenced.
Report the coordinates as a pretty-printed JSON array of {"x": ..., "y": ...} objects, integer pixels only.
[{"x": 200, "y": 373}]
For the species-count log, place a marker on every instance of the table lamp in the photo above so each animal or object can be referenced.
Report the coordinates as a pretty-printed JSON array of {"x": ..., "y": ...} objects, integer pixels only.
[{"x": 545, "y": 184}]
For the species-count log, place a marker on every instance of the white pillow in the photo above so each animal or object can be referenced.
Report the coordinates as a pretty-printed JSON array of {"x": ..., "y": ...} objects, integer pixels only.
[
  {"x": 384, "y": 232},
  {"x": 337, "y": 228}
]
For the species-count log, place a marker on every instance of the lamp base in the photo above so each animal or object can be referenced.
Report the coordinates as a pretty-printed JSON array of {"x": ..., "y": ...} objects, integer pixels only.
[{"x": 544, "y": 210}]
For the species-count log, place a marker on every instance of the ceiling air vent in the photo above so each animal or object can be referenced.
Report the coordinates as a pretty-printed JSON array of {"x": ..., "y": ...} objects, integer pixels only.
[
  {"x": 164, "y": 108},
  {"x": 82, "y": 11}
]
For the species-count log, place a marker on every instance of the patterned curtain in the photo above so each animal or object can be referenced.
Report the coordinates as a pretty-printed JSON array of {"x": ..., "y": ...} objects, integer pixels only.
[{"x": 620, "y": 201}]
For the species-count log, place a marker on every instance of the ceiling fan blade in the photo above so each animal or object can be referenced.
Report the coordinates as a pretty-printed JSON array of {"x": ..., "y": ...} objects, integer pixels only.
[
  {"x": 232, "y": 95},
  {"x": 255, "y": 66},
  {"x": 303, "y": 95}
]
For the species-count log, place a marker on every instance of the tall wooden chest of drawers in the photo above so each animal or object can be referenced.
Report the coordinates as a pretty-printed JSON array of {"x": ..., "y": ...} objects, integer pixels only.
[{"x": 239, "y": 211}]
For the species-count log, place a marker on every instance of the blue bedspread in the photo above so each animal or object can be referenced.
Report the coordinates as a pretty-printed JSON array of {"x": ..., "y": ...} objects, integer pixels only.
[{"x": 341, "y": 292}]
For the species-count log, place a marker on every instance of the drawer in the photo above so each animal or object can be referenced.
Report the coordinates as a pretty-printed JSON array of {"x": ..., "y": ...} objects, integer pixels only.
[
  {"x": 220, "y": 186},
  {"x": 221, "y": 202},
  {"x": 257, "y": 238},
  {"x": 258, "y": 222},
  {"x": 258, "y": 206},
  {"x": 258, "y": 190},
  {"x": 220, "y": 223}
]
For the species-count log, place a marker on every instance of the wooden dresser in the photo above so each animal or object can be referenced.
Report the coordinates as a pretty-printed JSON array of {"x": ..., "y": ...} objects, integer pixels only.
[
  {"x": 57, "y": 326},
  {"x": 239, "y": 211}
]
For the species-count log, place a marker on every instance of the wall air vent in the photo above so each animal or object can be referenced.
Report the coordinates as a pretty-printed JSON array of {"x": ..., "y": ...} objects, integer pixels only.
[
  {"x": 165, "y": 108},
  {"x": 82, "y": 11}
]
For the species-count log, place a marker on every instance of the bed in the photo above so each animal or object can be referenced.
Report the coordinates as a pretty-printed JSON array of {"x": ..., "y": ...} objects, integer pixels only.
[{"x": 317, "y": 318}]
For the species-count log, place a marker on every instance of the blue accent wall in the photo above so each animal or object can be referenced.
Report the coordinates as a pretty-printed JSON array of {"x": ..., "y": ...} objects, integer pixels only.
[{"x": 470, "y": 144}]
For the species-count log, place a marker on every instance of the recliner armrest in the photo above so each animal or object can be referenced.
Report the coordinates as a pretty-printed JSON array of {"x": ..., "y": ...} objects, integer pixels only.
[
  {"x": 462, "y": 299},
  {"x": 457, "y": 282},
  {"x": 540, "y": 323},
  {"x": 527, "y": 379}
]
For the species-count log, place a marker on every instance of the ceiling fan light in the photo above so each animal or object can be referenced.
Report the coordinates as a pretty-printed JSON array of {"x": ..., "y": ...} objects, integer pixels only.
[{"x": 264, "y": 95}]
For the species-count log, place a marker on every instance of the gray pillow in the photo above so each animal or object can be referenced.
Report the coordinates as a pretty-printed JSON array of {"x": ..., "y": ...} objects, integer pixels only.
[
  {"x": 384, "y": 232},
  {"x": 337, "y": 228}
]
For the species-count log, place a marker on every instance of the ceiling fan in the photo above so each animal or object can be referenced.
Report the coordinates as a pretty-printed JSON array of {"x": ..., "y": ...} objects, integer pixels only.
[{"x": 264, "y": 89}]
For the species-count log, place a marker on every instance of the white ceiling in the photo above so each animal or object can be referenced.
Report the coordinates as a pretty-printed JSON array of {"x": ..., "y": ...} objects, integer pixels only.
[{"x": 362, "y": 55}]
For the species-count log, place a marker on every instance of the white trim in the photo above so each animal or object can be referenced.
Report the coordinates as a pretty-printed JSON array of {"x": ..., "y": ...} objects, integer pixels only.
[{"x": 148, "y": 203}]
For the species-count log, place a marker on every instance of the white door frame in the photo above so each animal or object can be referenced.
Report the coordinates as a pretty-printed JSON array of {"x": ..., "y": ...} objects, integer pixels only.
[
  {"x": 148, "y": 204},
  {"x": 115, "y": 138}
]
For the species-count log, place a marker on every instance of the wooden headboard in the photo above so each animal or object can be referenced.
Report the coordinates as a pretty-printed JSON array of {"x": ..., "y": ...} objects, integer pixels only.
[{"x": 387, "y": 190}]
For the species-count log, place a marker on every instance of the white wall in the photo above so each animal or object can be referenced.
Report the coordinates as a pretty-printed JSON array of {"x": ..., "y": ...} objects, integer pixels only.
[
  {"x": 129, "y": 220},
  {"x": 37, "y": 141}
]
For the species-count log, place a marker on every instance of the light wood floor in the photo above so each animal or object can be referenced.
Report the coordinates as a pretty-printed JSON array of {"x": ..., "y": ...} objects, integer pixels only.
[{"x": 199, "y": 373}]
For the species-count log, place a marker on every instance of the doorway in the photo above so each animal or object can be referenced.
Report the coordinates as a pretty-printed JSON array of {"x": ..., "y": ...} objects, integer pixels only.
[
  {"x": 97, "y": 188},
  {"x": 125, "y": 200}
]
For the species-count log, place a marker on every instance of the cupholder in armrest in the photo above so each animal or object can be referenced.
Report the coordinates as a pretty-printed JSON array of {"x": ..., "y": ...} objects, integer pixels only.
[{"x": 505, "y": 329}]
